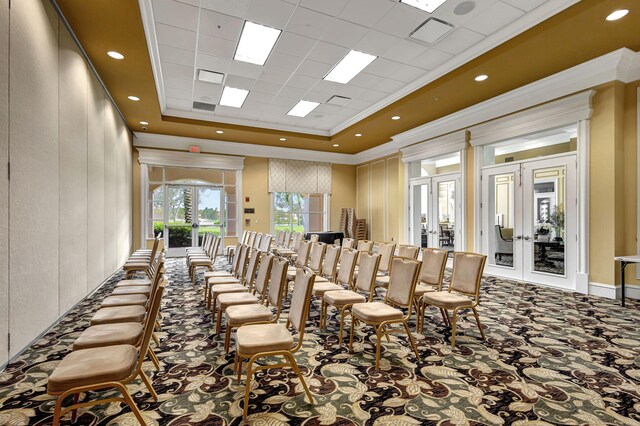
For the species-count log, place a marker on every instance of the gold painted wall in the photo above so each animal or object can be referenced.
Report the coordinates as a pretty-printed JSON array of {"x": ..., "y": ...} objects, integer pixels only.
[
  {"x": 630, "y": 194},
  {"x": 380, "y": 185}
]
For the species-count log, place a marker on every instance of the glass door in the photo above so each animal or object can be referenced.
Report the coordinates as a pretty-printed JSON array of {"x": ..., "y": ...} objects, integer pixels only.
[
  {"x": 210, "y": 212},
  {"x": 179, "y": 223},
  {"x": 419, "y": 208}
]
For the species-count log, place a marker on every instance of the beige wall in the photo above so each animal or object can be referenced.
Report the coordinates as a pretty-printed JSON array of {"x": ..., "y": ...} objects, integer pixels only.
[
  {"x": 630, "y": 164},
  {"x": 4, "y": 182},
  {"x": 380, "y": 198},
  {"x": 70, "y": 189}
]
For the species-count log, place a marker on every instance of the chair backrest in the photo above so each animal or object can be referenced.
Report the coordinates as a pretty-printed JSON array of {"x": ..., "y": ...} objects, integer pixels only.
[
  {"x": 369, "y": 264},
  {"x": 251, "y": 239},
  {"x": 245, "y": 237},
  {"x": 314, "y": 238},
  {"x": 332, "y": 253},
  {"x": 215, "y": 248},
  {"x": 315, "y": 259},
  {"x": 286, "y": 239},
  {"x": 434, "y": 262},
  {"x": 277, "y": 283},
  {"x": 467, "y": 273},
  {"x": 386, "y": 252},
  {"x": 407, "y": 251},
  {"x": 263, "y": 273},
  {"x": 295, "y": 240},
  {"x": 301, "y": 299},
  {"x": 149, "y": 323},
  {"x": 348, "y": 243},
  {"x": 236, "y": 258},
  {"x": 265, "y": 243},
  {"x": 250, "y": 271},
  {"x": 347, "y": 266},
  {"x": 365, "y": 245},
  {"x": 242, "y": 261},
  {"x": 402, "y": 282},
  {"x": 303, "y": 253},
  {"x": 154, "y": 250}
]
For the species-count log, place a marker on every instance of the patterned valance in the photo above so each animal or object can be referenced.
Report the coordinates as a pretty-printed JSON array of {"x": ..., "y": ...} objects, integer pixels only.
[{"x": 307, "y": 177}]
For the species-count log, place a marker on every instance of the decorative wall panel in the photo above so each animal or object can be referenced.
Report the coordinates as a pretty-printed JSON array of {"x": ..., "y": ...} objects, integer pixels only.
[
  {"x": 4, "y": 181},
  {"x": 306, "y": 177}
]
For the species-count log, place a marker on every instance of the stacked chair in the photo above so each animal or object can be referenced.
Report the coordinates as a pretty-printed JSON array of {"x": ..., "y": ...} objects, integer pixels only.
[
  {"x": 141, "y": 260},
  {"x": 203, "y": 257}
]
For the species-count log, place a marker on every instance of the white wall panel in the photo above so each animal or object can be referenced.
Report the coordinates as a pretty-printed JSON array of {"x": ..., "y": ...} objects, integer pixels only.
[
  {"x": 34, "y": 186},
  {"x": 122, "y": 223},
  {"x": 72, "y": 75},
  {"x": 96, "y": 228},
  {"x": 110, "y": 188},
  {"x": 4, "y": 182}
]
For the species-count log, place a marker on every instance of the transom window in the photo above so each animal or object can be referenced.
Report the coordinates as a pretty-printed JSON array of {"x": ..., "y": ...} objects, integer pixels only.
[{"x": 293, "y": 211}]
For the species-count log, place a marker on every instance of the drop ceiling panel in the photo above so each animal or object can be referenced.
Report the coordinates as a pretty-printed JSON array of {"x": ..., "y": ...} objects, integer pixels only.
[
  {"x": 376, "y": 42},
  {"x": 239, "y": 82},
  {"x": 327, "y": 52},
  {"x": 313, "y": 68},
  {"x": 404, "y": 51},
  {"x": 431, "y": 59},
  {"x": 302, "y": 81},
  {"x": 495, "y": 17},
  {"x": 365, "y": 12},
  {"x": 308, "y": 23},
  {"x": 401, "y": 20},
  {"x": 459, "y": 40},
  {"x": 525, "y": 5},
  {"x": 389, "y": 85},
  {"x": 177, "y": 71},
  {"x": 267, "y": 87},
  {"x": 272, "y": 13},
  {"x": 176, "y": 14},
  {"x": 176, "y": 55},
  {"x": 343, "y": 33},
  {"x": 283, "y": 61},
  {"x": 407, "y": 73},
  {"x": 178, "y": 83},
  {"x": 220, "y": 25},
  {"x": 208, "y": 90},
  {"x": 236, "y": 8},
  {"x": 213, "y": 63},
  {"x": 294, "y": 44},
  {"x": 216, "y": 46},
  {"x": 245, "y": 69},
  {"x": 176, "y": 37},
  {"x": 329, "y": 7}
]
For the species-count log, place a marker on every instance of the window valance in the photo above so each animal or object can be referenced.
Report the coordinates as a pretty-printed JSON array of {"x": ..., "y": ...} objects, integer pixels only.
[{"x": 307, "y": 177}]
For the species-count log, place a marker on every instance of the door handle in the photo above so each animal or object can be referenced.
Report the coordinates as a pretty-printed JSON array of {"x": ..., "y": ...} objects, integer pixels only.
[
  {"x": 518, "y": 237},
  {"x": 527, "y": 238}
]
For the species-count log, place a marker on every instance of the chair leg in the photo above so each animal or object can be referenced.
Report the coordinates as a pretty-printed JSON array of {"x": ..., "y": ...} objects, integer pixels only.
[
  {"x": 149, "y": 386},
  {"x": 323, "y": 306},
  {"x": 154, "y": 359},
  {"x": 219, "y": 321},
  {"x": 413, "y": 342},
  {"x": 155, "y": 338},
  {"x": 453, "y": 328},
  {"x": 342, "y": 315},
  {"x": 378, "y": 344},
  {"x": 74, "y": 413},
  {"x": 445, "y": 317},
  {"x": 247, "y": 389},
  {"x": 214, "y": 302},
  {"x": 227, "y": 338},
  {"x": 475, "y": 314},
  {"x": 295, "y": 367},
  {"x": 131, "y": 403},
  {"x": 353, "y": 322},
  {"x": 240, "y": 361}
]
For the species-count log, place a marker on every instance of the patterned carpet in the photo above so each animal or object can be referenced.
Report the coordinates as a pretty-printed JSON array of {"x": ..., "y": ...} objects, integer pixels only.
[{"x": 550, "y": 358}]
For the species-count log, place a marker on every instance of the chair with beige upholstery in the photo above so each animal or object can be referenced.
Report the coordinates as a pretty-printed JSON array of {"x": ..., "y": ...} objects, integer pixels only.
[
  {"x": 204, "y": 246},
  {"x": 344, "y": 277},
  {"x": 110, "y": 367},
  {"x": 463, "y": 292},
  {"x": 234, "y": 266},
  {"x": 141, "y": 264},
  {"x": 348, "y": 243},
  {"x": 148, "y": 280},
  {"x": 207, "y": 260},
  {"x": 255, "y": 341},
  {"x": 342, "y": 300},
  {"x": 329, "y": 264},
  {"x": 387, "y": 252},
  {"x": 304, "y": 249},
  {"x": 434, "y": 263},
  {"x": 408, "y": 251},
  {"x": 265, "y": 243},
  {"x": 226, "y": 300},
  {"x": 380, "y": 315},
  {"x": 122, "y": 296},
  {"x": 316, "y": 257},
  {"x": 234, "y": 276},
  {"x": 235, "y": 316},
  {"x": 245, "y": 283},
  {"x": 314, "y": 238},
  {"x": 232, "y": 249}
]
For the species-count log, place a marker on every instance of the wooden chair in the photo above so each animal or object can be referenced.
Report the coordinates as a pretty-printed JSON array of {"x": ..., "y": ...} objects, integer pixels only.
[
  {"x": 407, "y": 251},
  {"x": 434, "y": 263},
  {"x": 463, "y": 292},
  {"x": 255, "y": 341},
  {"x": 304, "y": 249},
  {"x": 235, "y": 316},
  {"x": 110, "y": 367},
  {"x": 380, "y": 315},
  {"x": 329, "y": 265},
  {"x": 348, "y": 243},
  {"x": 343, "y": 300},
  {"x": 343, "y": 279}
]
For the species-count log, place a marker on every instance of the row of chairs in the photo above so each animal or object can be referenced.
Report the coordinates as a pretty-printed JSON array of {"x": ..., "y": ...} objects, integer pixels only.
[
  {"x": 255, "y": 240},
  {"x": 110, "y": 353}
]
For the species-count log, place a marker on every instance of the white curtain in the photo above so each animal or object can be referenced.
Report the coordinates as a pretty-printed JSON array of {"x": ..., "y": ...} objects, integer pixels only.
[{"x": 307, "y": 177}]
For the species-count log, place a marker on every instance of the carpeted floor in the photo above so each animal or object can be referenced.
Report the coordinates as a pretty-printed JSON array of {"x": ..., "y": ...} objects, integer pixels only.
[{"x": 550, "y": 358}]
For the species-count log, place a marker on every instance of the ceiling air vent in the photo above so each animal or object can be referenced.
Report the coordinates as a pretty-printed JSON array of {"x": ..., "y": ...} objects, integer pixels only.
[
  {"x": 431, "y": 30},
  {"x": 204, "y": 106},
  {"x": 210, "y": 76},
  {"x": 338, "y": 100}
]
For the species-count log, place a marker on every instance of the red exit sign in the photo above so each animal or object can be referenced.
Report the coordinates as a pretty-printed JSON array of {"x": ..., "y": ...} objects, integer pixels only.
[{"x": 194, "y": 148}]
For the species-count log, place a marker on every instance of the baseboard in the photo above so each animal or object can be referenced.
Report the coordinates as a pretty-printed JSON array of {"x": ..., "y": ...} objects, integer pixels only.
[{"x": 610, "y": 291}]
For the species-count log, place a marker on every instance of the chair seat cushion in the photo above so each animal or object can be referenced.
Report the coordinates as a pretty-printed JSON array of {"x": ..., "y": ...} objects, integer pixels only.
[
  {"x": 383, "y": 281},
  {"x": 343, "y": 297},
  {"x": 134, "y": 282},
  {"x": 126, "y": 333},
  {"x": 227, "y": 288},
  {"x": 421, "y": 289},
  {"x": 223, "y": 280},
  {"x": 241, "y": 298},
  {"x": 201, "y": 262},
  {"x": 124, "y": 300},
  {"x": 375, "y": 312},
  {"x": 319, "y": 289},
  {"x": 133, "y": 313},
  {"x": 448, "y": 300},
  {"x": 89, "y": 366},
  {"x": 132, "y": 289},
  {"x": 135, "y": 265},
  {"x": 251, "y": 339},
  {"x": 211, "y": 274},
  {"x": 237, "y": 315},
  {"x": 320, "y": 279}
]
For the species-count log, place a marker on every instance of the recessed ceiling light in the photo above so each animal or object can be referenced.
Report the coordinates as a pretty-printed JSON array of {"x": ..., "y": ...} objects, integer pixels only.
[
  {"x": 614, "y": 16},
  {"x": 219, "y": 132},
  {"x": 134, "y": 98},
  {"x": 349, "y": 66},
  {"x": 210, "y": 76},
  {"x": 283, "y": 139},
  {"x": 336, "y": 145},
  {"x": 302, "y": 108},
  {"x": 481, "y": 77},
  {"x": 256, "y": 43},
  {"x": 144, "y": 123},
  {"x": 115, "y": 55},
  {"x": 395, "y": 117},
  {"x": 358, "y": 135},
  {"x": 233, "y": 97},
  {"x": 426, "y": 5}
]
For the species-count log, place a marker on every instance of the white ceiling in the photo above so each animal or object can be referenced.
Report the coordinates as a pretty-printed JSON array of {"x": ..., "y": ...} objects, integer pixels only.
[{"x": 193, "y": 34}]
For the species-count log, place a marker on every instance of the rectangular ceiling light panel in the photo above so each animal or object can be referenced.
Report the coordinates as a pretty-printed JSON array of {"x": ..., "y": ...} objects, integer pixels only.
[
  {"x": 233, "y": 97},
  {"x": 256, "y": 43},
  {"x": 303, "y": 108},
  {"x": 349, "y": 67},
  {"x": 431, "y": 30},
  {"x": 426, "y": 5},
  {"x": 210, "y": 76}
]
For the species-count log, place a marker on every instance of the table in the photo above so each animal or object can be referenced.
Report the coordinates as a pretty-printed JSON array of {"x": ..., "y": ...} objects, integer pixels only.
[
  {"x": 624, "y": 261},
  {"x": 326, "y": 237},
  {"x": 544, "y": 245}
]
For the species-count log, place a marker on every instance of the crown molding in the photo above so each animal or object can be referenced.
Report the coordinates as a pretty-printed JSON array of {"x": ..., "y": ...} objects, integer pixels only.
[
  {"x": 158, "y": 157},
  {"x": 553, "y": 114},
  {"x": 442, "y": 145},
  {"x": 149, "y": 25},
  {"x": 153, "y": 140},
  {"x": 528, "y": 20}
]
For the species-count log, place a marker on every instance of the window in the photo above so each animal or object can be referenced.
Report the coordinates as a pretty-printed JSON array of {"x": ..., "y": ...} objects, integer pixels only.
[{"x": 297, "y": 212}]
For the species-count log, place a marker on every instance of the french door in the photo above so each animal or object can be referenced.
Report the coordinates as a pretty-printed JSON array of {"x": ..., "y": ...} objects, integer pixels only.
[
  {"x": 436, "y": 212},
  {"x": 529, "y": 218},
  {"x": 190, "y": 211}
]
